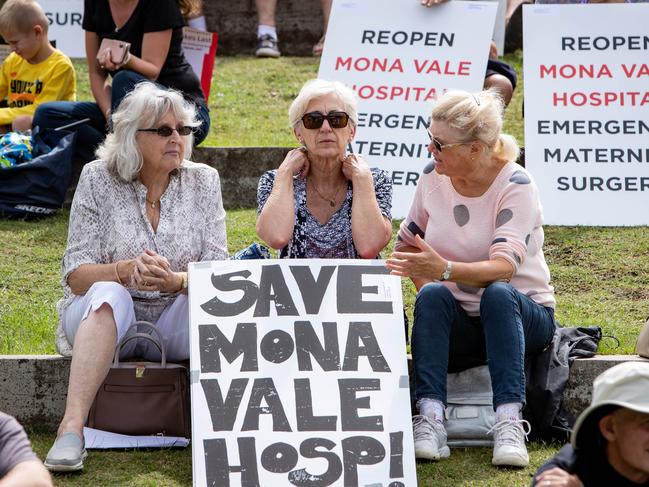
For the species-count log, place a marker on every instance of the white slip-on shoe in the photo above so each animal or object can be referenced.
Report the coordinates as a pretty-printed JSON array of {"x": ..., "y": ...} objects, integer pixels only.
[
  {"x": 67, "y": 453},
  {"x": 509, "y": 443},
  {"x": 430, "y": 438}
]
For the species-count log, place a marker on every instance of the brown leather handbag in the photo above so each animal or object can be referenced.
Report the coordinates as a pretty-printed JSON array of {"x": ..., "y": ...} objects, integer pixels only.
[{"x": 143, "y": 398}]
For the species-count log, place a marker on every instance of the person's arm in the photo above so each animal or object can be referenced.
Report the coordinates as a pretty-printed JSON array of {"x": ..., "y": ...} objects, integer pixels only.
[
  {"x": 155, "y": 48},
  {"x": 31, "y": 473},
  {"x": 371, "y": 230},
  {"x": 427, "y": 265},
  {"x": 97, "y": 75},
  {"x": 276, "y": 216},
  {"x": 56, "y": 86},
  {"x": 86, "y": 275},
  {"x": 215, "y": 242}
]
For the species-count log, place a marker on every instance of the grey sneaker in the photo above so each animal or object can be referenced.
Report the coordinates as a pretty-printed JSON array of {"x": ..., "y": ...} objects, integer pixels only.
[
  {"x": 267, "y": 47},
  {"x": 430, "y": 438},
  {"x": 67, "y": 453},
  {"x": 509, "y": 443}
]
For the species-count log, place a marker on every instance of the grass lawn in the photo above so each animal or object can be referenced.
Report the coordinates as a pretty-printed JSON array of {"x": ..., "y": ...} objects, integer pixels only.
[{"x": 599, "y": 274}]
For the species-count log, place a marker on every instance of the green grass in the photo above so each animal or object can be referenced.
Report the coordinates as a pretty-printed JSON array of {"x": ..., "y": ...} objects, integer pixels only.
[
  {"x": 172, "y": 468},
  {"x": 599, "y": 274}
]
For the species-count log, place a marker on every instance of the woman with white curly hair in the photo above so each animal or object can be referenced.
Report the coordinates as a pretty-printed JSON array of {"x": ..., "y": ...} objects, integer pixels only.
[
  {"x": 323, "y": 202},
  {"x": 140, "y": 214}
]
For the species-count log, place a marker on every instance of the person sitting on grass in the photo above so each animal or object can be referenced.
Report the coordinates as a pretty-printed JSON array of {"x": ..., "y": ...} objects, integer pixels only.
[
  {"x": 609, "y": 445},
  {"x": 140, "y": 215},
  {"x": 35, "y": 72},
  {"x": 19, "y": 465},
  {"x": 154, "y": 30},
  {"x": 472, "y": 244},
  {"x": 322, "y": 202}
]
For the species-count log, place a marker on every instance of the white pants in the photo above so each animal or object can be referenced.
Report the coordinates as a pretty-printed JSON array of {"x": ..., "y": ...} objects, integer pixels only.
[{"x": 173, "y": 322}]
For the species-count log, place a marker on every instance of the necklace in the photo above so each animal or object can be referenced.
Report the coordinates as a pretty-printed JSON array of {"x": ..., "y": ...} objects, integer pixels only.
[
  {"x": 332, "y": 200},
  {"x": 152, "y": 203}
]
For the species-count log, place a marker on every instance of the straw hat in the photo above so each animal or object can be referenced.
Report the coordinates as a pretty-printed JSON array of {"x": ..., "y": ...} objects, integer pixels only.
[{"x": 625, "y": 385}]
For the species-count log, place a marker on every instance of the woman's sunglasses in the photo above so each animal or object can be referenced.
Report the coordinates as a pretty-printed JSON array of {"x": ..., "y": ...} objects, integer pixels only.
[
  {"x": 166, "y": 130},
  {"x": 438, "y": 145},
  {"x": 314, "y": 120}
]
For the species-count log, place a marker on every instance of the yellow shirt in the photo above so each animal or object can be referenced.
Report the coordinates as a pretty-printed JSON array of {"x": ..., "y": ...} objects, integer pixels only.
[{"x": 25, "y": 85}]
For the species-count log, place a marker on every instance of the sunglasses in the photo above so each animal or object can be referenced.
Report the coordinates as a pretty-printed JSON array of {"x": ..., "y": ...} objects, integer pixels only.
[
  {"x": 166, "y": 130},
  {"x": 314, "y": 120},
  {"x": 438, "y": 145}
]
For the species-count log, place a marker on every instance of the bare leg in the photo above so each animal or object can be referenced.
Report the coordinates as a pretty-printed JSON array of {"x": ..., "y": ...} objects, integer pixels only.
[
  {"x": 94, "y": 346},
  {"x": 502, "y": 85},
  {"x": 326, "y": 10},
  {"x": 266, "y": 12}
]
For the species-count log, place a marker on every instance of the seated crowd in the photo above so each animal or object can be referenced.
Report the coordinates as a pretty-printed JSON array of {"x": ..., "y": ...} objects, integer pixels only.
[{"x": 472, "y": 242}]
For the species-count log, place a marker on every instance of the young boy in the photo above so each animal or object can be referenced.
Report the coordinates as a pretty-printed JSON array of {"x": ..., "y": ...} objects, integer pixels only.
[{"x": 34, "y": 72}]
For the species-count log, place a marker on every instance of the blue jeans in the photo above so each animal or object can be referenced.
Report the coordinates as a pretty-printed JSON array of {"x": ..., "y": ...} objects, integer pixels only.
[
  {"x": 90, "y": 134},
  {"x": 446, "y": 339}
]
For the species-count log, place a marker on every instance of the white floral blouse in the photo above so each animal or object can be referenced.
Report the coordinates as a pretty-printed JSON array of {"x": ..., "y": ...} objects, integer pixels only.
[{"x": 108, "y": 223}]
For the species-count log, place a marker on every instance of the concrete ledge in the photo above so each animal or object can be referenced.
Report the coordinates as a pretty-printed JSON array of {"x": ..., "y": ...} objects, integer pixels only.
[
  {"x": 239, "y": 168},
  {"x": 34, "y": 387}
]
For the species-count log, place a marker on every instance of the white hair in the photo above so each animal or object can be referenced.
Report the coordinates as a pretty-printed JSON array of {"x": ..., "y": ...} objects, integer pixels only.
[
  {"x": 478, "y": 117},
  {"x": 142, "y": 108},
  {"x": 316, "y": 88}
]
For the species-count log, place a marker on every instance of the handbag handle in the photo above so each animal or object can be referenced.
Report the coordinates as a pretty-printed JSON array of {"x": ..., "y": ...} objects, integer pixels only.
[{"x": 159, "y": 343}]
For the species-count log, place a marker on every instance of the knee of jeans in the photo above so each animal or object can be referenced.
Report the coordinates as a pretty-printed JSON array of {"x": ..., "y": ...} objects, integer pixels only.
[
  {"x": 496, "y": 291},
  {"x": 433, "y": 292},
  {"x": 42, "y": 113}
]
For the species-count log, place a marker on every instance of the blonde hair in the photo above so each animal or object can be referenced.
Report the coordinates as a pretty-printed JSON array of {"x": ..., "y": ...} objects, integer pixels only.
[
  {"x": 316, "y": 88},
  {"x": 190, "y": 8},
  {"x": 478, "y": 117},
  {"x": 21, "y": 16},
  {"x": 143, "y": 107}
]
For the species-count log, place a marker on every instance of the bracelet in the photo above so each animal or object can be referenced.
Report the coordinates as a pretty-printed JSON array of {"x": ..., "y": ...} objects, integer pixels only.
[
  {"x": 446, "y": 275},
  {"x": 183, "y": 283},
  {"x": 117, "y": 273}
]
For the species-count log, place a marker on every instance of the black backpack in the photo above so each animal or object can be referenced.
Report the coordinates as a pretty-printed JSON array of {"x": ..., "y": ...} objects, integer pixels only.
[{"x": 37, "y": 188}]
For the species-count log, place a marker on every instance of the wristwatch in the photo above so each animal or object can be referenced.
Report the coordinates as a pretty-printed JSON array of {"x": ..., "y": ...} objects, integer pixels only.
[{"x": 446, "y": 275}]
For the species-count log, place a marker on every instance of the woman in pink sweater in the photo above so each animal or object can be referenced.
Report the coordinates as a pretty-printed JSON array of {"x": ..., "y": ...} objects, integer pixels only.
[{"x": 472, "y": 244}]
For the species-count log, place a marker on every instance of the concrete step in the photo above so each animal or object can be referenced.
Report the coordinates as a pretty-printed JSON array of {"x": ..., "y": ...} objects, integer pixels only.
[{"x": 33, "y": 387}]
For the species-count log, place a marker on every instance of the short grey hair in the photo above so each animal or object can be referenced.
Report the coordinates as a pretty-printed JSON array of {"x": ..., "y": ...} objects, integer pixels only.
[
  {"x": 142, "y": 108},
  {"x": 316, "y": 88}
]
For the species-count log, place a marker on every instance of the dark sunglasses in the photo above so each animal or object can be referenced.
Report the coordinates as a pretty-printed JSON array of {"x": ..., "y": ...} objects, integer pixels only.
[
  {"x": 166, "y": 130},
  {"x": 438, "y": 145},
  {"x": 314, "y": 120}
]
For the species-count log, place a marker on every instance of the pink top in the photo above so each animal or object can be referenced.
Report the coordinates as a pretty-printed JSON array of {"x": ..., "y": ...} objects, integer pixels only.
[{"x": 504, "y": 222}]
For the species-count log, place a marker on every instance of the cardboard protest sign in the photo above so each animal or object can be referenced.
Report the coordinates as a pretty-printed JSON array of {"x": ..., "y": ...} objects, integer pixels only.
[
  {"x": 587, "y": 111},
  {"x": 299, "y": 374},
  {"x": 398, "y": 56},
  {"x": 65, "y": 30},
  {"x": 200, "y": 50}
]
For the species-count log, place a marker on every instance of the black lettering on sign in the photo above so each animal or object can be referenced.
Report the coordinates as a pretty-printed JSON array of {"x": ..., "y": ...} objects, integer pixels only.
[
  {"x": 217, "y": 468},
  {"x": 350, "y": 290},
  {"x": 212, "y": 341}
]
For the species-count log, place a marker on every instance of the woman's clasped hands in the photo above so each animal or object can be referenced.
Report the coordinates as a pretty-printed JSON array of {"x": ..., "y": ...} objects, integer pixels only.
[{"x": 152, "y": 272}]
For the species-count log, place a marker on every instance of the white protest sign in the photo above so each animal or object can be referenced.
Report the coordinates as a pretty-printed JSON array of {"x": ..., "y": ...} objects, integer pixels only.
[
  {"x": 199, "y": 48},
  {"x": 398, "y": 56},
  {"x": 587, "y": 111},
  {"x": 65, "y": 18},
  {"x": 299, "y": 374}
]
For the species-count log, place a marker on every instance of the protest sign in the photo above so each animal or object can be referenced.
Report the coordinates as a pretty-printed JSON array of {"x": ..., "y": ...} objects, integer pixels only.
[
  {"x": 587, "y": 111},
  {"x": 65, "y": 17},
  {"x": 200, "y": 50},
  {"x": 398, "y": 56},
  {"x": 299, "y": 374}
]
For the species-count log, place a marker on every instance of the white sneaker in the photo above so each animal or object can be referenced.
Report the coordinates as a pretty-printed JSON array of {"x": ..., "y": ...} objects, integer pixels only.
[
  {"x": 509, "y": 443},
  {"x": 430, "y": 438}
]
